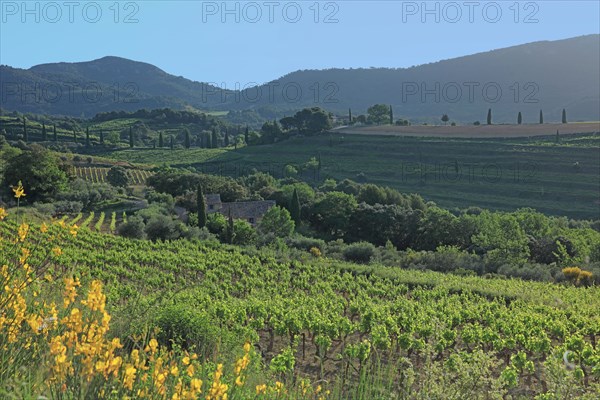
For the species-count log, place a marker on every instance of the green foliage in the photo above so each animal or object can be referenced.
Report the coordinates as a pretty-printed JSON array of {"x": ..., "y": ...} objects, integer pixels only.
[
  {"x": 162, "y": 227},
  {"x": 117, "y": 176},
  {"x": 39, "y": 170},
  {"x": 295, "y": 207},
  {"x": 308, "y": 121},
  {"x": 201, "y": 207},
  {"x": 331, "y": 213},
  {"x": 360, "y": 252},
  {"x": 188, "y": 327},
  {"x": 216, "y": 223},
  {"x": 244, "y": 233},
  {"x": 278, "y": 222},
  {"x": 133, "y": 228},
  {"x": 502, "y": 239},
  {"x": 378, "y": 114}
]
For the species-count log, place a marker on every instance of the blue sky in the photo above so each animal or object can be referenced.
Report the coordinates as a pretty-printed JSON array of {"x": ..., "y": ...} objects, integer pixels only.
[{"x": 201, "y": 40}]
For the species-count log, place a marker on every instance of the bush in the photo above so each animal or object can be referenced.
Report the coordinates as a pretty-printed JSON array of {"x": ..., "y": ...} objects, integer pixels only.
[
  {"x": 63, "y": 207},
  {"x": 185, "y": 326},
  {"x": 360, "y": 252},
  {"x": 133, "y": 228},
  {"x": 87, "y": 193},
  {"x": 305, "y": 243},
  {"x": 244, "y": 233},
  {"x": 531, "y": 272},
  {"x": 47, "y": 209},
  {"x": 216, "y": 223},
  {"x": 161, "y": 227},
  {"x": 162, "y": 198},
  {"x": 117, "y": 176}
]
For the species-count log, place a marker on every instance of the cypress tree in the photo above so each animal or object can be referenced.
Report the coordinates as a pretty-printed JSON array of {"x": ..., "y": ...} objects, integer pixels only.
[
  {"x": 295, "y": 207},
  {"x": 564, "y": 116},
  {"x": 87, "y": 137},
  {"x": 25, "y": 134},
  {"x": 541, "y": 117},
  {"x": 130, "y": 137},
  {"x": 187, "y": 139},
  {"x": 44, "y": 133},
  {"x": 213, "y": 140},
  {"x": 519, "y": 118},
  {"x": 489, "y": 117},
  {"x": 246, "y": 135},
  {"x": 391, "y": 116},
  {"x": 226, "y": 138},
  {"x": 557, "y": 136},
  {"x": 172, "y": 145},
  {"x": 207, "y": 143},
  {"x": 349, "y": 116},
  {"x": 101, "y": 136},
  {"x": 74, "y": 136},
  {"x": 202, "y": 217},
  {"x": 229, "y": 233},
  {"x": 161, "y": 143},
  {"x": 54, "y": 132}
]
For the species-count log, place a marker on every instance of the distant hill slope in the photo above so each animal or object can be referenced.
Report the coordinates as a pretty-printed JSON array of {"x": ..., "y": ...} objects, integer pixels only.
[{"x": 549, "y": 75}]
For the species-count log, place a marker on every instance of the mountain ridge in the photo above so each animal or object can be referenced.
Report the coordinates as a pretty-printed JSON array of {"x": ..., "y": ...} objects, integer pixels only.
[{"x": 563, "y": 71}]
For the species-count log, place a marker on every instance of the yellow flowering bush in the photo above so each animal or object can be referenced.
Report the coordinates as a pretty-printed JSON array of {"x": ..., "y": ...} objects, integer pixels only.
[{"x": 578, "y": 276}]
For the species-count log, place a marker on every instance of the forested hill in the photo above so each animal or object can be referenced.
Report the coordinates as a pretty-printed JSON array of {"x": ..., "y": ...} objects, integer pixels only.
[{"x": 548, "y": 75}]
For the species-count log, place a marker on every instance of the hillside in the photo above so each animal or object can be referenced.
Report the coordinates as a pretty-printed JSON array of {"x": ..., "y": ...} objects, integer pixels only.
[
  {"x": 345, "y": 326},
  {"x": 88, "y": 88},
  {"x": 549, "y": 75}
]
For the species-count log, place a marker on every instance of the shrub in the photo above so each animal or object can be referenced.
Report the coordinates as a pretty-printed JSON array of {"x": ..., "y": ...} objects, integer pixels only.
[
  {"x": 315, "y": 252},
  {"x": 578, "y": 276},
  {"x": 133, "y": 228},
  {"x": 62, "y": 207},
  {"x": 46, "y": 208},
  {"x": 360, "y": 252},
  {"x": 161, "y": 227},
  {"x": 117, "y": 176},
  {"x": 305, "y": 243},
  {"x": 162, "y": 198},
  {"x": 278, "y": 222},
  {"x": 216, "y": 223},
  {"x": 184, "y": 325},
  {"x": 244, "y": 233}
]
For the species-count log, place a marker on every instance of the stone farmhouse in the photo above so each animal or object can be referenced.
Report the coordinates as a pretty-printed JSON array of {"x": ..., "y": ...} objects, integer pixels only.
[{"x": 250, "y": 211}]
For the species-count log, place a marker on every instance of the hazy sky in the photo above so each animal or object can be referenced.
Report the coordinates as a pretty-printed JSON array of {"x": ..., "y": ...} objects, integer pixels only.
[{"x": 259, "y": 41}]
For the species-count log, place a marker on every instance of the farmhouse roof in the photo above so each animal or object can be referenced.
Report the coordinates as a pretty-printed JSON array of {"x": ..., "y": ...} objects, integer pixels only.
[{"x": 247, "y": 209}]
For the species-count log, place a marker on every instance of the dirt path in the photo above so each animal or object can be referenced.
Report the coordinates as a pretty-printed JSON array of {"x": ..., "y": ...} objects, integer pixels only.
[{"x": 472, "y": 131}]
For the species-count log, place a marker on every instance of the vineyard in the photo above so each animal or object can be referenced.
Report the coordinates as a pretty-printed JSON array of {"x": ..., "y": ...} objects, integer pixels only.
[
  {"x": 365, "y": 332},
  {"x": 96, "y": 222},
  {"x": 99, "y": 174}
]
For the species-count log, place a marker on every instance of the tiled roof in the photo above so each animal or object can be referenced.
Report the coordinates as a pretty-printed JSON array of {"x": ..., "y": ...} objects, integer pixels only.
[
  {"x": 212, "y": 198},
  {"x": 246, "y": 209}
]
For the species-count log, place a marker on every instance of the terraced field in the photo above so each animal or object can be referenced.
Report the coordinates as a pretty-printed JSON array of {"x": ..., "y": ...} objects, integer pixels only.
[{"x": 98, "y": 174}]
